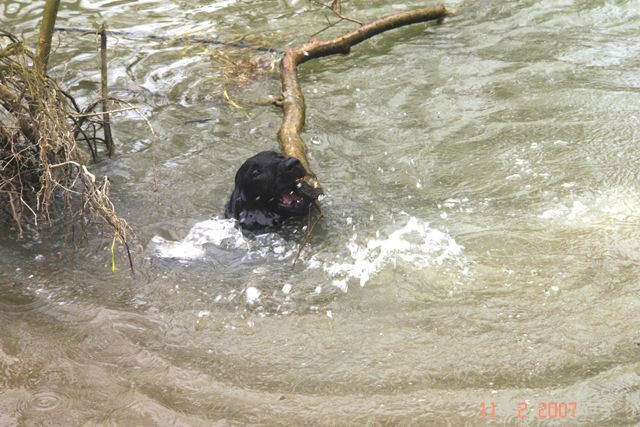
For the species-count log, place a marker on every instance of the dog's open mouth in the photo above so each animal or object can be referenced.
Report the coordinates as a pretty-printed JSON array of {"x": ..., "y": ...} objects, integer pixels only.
[
  {"x": 291, "y": 199},
  {"x": 300, "y": 195}
]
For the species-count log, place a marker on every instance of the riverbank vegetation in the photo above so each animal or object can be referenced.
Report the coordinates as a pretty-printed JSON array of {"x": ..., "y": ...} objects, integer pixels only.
[{"x": 44, "y": 172}]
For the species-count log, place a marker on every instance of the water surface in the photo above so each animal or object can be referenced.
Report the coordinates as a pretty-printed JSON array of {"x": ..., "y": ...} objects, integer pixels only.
[{"x": 480, "y": 241}]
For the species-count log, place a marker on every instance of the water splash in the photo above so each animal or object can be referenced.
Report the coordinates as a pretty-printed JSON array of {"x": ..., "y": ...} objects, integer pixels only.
[
  {"x": 615, "y": 205},
  {"x": 414, "y": 243},
  {"x": 222, "y": 234},
  {"x": 219, "y": 232}
]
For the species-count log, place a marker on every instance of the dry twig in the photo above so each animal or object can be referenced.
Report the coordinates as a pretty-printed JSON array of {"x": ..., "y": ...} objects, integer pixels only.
[
  {"x": 336, "y": 8},
  {"x": 310, "y": 227}
]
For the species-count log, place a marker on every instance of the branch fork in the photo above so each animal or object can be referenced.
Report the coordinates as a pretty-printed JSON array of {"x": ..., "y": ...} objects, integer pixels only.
[{"x": 291, "y": 143}]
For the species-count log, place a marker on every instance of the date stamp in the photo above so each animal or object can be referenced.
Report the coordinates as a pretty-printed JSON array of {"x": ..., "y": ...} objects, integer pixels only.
[{"x": 543, "y": 410}]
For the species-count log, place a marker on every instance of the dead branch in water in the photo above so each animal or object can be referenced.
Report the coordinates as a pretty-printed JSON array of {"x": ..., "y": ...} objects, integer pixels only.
[
  {"x": 310, "y": 226},
  {"x": 108, "y": 138},
  {"x": 336, "y": 8},
  {"x": 46, "y": 33},
  {"x": 291, "y": 143},
  {"x": 186, "y": 39},
  {"x": 41, "y": 166}
]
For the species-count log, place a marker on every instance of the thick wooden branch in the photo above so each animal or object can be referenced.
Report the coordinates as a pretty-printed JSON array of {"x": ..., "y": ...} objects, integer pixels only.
[
  {"x": 46, "y": 33},
  {"x": 291, "y": 143}
]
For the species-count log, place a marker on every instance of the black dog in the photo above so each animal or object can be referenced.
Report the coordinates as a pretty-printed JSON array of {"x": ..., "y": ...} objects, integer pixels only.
[{"x": 267, "y": 191}]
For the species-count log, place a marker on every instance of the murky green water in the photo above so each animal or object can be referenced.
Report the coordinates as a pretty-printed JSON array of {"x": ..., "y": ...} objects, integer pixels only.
[{"x": 483, "y": 188}]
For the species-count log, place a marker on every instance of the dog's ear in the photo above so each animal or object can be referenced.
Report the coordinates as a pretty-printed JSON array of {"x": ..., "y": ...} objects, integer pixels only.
[{"x": 235, "y": 204}]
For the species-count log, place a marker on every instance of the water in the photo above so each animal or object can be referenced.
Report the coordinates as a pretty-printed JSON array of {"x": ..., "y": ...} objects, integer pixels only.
[{"x": 480, "y": 244}]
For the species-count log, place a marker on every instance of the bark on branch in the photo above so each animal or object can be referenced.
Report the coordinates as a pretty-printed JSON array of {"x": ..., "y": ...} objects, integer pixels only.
[
  {"x": 291, "y": 143},
  {"x": 46, "y": 33}
]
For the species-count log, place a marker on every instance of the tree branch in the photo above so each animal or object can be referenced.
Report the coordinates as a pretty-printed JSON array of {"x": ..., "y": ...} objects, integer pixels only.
[
  {"x": 108, "y": 138},
  {"x": 337, "y": 10},
  {"x": 44, "y": 38},
  {"x": 291, "y": 143}
]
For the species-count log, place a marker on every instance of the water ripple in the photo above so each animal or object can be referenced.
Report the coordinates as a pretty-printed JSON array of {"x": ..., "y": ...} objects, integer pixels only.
[{"x": 47, "y": 401}]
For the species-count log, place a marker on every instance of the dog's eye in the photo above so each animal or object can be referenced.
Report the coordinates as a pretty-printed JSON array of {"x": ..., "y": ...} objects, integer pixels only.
[{"x": 255, "y": 172}]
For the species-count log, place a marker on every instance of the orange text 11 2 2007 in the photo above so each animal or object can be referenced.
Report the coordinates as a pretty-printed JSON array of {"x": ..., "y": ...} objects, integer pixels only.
[{"x": 544, "y": 410}]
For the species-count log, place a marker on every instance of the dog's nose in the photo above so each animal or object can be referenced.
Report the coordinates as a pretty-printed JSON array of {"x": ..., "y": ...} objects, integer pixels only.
[{"x": 291, "y": 164}]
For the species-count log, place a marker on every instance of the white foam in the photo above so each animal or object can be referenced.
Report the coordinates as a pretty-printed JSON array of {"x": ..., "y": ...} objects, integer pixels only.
[
  {"x": 219, "y": 232},
  {"x": 574, "y": 212},
  {"x": 410, "y": 241},
  {"x": 414, "y": 243},
  {"x": 341, "y": 284},
  {"x": 612, "y": 205},
  {"x": 252, "y": 295}
]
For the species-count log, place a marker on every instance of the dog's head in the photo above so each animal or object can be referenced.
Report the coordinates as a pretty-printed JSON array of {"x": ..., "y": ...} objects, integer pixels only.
[{"x": 267, "y": 191}]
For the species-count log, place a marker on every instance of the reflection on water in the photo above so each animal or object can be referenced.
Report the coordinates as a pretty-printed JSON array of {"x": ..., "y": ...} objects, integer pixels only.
[{"x": 480, "y": 243}]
